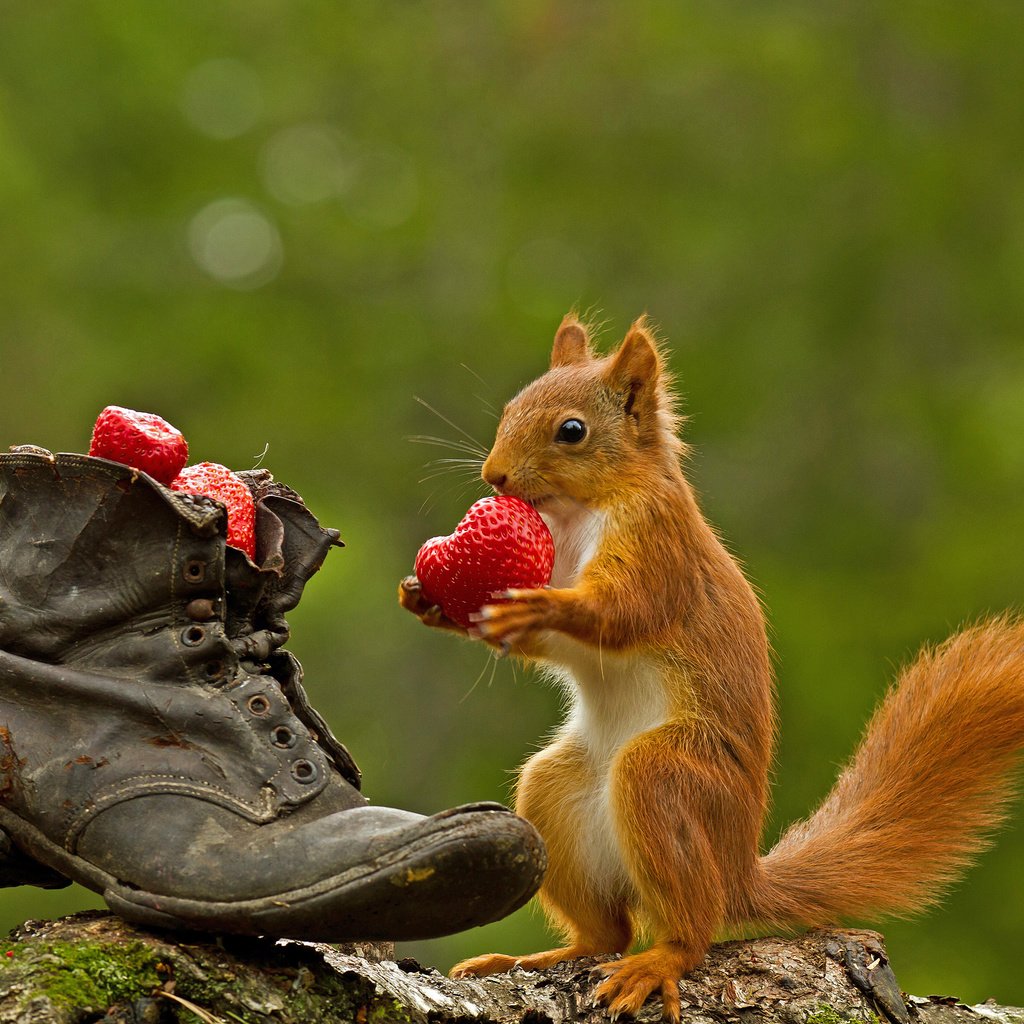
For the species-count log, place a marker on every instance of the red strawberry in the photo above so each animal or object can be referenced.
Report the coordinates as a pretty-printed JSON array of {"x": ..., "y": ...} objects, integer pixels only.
[
  {"x": 218, "y": 482},
  {"x": 501, "y": 543},
  {"x": 141, "y": 440}
]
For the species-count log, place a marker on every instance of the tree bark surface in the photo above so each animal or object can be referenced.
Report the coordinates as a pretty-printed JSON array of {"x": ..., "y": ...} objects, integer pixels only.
[{"x": 91, "y": 968}]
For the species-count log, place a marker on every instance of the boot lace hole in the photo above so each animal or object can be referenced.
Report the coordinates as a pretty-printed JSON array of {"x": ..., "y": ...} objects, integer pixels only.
[
  {"x": 214, "y": 669},
  {"x": 283, "y": 737},
  {"x": 193, "y": 636},
  {"x": 194, "y": 570},
  {"x": 304, "y": 771},
  {"x": 258, "y": 704}
]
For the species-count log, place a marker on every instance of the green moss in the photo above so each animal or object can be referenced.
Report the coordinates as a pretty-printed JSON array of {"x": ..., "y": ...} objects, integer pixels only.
[
  {"x": 387, "y": 1011},
  {"x": 826, "y": 1014},
  {"x": 88, "y": 975},
  {"x": 202, "y": 988},
  {"x": 292, "y": 986}
]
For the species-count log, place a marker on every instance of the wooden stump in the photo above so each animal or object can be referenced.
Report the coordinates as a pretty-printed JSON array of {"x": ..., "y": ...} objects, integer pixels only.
[{"x": 93, "y": 968}]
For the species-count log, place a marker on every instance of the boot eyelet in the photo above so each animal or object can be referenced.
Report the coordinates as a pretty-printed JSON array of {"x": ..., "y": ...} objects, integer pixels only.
[
  {"x": 194, "y": 570},
  {"x": 213, "y": 670},
  {"x": 258, "y": 704},
  {"x": 193, "y": 636},
  {"x": 283, "y": 737},
  {"x": 304, "y": 771}
]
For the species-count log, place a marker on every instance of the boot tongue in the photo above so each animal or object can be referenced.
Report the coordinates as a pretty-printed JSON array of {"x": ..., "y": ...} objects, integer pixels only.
[
  {"x": 291, "y": 546},
  {"x": 290, "y": 542},
  {"x": 296, "y": 546}
]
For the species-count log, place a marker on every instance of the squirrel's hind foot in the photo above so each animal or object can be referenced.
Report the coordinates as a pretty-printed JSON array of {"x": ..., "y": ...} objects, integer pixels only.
[
  {"x": 479, "y": 966},
  {"x": 655, "y": 971},
  {"x": 498, "y": 963}
]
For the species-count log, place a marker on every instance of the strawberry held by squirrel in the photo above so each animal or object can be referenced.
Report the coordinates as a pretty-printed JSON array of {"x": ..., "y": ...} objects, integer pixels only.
[
  {"x": 651, "y": 797},
  {"x": 501, "y": 543}
]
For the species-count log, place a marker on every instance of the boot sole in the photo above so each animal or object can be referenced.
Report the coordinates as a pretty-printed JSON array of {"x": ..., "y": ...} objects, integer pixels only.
[{"x": 445, "y": 880}]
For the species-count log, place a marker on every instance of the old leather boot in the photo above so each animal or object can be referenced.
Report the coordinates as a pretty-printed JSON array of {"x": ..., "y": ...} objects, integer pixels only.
[{"x": 156, "y": 744}]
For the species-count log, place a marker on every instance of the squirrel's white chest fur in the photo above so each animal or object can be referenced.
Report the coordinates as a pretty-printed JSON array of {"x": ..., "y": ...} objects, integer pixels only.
[
  {"x": 612, "y": 697},
  {"x": 577, "y": 533}
]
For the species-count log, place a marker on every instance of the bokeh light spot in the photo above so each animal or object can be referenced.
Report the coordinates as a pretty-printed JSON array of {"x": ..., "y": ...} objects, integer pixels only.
[
  {"x": 308, "y": 163},
  {"x": 235, "y": 243}
]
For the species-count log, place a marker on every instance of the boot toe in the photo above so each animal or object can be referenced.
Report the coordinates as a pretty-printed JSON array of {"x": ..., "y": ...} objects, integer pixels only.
[{"x": 362, "y": 873}]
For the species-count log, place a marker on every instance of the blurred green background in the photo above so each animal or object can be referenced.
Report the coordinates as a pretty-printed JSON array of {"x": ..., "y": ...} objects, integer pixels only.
[{"x": 280, "y": 224}]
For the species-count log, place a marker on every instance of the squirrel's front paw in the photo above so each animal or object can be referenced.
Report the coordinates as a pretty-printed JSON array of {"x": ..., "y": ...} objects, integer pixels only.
[
  {"x": 410, "y": 596},
  {"x": 412, "y": 599},
  {"x": 520, "y": 613}
]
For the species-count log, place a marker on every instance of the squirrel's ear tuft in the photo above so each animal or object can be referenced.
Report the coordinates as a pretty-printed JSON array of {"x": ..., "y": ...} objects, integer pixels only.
[
  {"x": 637, "y": 360},
  {"x": 637, "y": 373},
  {"x": 572, "y": 343}
]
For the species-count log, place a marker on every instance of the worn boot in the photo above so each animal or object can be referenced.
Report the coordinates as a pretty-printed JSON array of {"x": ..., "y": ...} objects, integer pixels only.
[{"x": 156, "y": 744}]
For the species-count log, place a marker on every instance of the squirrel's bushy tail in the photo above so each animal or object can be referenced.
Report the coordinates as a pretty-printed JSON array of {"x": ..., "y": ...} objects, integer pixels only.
[{"x": 928, "y": 784}]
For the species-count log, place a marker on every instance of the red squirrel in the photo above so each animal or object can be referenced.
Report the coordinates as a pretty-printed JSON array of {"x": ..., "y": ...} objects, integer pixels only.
[{"x": 651, "y": 796}]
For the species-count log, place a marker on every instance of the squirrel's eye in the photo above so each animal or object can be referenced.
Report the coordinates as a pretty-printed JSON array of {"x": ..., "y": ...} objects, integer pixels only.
[{"x": 571, "y": 432}]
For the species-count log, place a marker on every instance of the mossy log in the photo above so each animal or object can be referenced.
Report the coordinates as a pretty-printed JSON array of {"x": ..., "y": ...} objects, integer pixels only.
[{"x": 92, "y": 968}]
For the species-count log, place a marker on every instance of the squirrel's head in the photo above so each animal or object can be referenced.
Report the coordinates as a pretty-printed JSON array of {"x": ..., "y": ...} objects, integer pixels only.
[{"x": 582, "y": 432}]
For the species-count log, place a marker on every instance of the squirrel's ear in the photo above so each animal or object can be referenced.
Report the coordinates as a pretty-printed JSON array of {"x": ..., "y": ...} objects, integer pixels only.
[
  {"x": 572, "y": 343},
  {"x": 635, "y": 371}
]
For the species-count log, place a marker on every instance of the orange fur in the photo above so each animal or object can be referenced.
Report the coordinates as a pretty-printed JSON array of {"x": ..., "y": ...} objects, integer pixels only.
[{"x": 652, "y": 795}]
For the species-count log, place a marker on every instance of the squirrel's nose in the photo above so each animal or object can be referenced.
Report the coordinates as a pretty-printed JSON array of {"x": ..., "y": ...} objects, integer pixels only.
[{"x": 493, "y": 476}]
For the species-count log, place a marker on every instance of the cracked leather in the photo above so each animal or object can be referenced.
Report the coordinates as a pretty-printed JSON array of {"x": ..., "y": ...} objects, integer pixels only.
[{"x": 114, "y": 591}]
